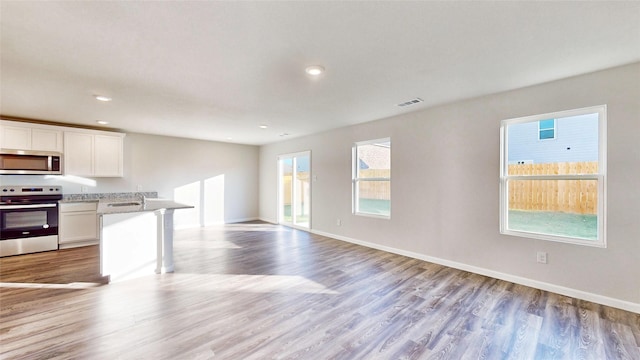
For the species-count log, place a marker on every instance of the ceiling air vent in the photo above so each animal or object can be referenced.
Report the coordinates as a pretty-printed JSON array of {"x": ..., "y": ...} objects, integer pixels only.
[{"x": 411, "y": 102}]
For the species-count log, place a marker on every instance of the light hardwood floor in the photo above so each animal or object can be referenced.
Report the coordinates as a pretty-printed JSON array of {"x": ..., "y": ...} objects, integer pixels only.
[{"x": 261, "y": 291}]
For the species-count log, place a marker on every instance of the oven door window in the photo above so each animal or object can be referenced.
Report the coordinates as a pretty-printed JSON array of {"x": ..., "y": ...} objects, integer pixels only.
[
  {"x": 22, "y": 223},
  {"x": 26, "y": 220}
]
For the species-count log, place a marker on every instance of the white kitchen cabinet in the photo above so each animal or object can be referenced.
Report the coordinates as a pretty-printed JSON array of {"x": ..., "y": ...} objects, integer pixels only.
[
  {"x": 108, "y": 155},
  {"x": 34, "y": 137},
  {"x": 93, "y": 154},
  {"x": 78, "y": 224},
  {"x": 46, "y": 140},
  {"x": 16, "y": 137},
  {"x": 78, "y": 154}
]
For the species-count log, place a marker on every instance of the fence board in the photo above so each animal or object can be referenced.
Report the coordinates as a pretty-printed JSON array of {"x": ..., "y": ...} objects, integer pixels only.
[
  {"x": 570, "y": 196},
  {"x": 380, "y": 190}
]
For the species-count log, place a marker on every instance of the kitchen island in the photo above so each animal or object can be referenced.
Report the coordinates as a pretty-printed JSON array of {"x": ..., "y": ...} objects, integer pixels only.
[{"x": 136, "y": 237}]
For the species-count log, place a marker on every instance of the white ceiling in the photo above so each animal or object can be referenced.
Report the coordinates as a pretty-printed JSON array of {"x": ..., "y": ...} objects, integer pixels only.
[{"x": 218, "y": 70}]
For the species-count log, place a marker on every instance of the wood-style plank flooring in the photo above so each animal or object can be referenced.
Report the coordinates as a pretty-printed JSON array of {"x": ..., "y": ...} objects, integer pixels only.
[{"x": 262, "y": 291}]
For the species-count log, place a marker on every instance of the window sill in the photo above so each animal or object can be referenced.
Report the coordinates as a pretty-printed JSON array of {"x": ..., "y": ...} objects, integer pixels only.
[
  {"x": 375, "y": 216},
  {"x": 562, "y": 239}
]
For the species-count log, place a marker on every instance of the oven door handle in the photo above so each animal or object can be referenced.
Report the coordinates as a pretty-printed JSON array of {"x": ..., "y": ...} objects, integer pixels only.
[{"x": 3, "y": 207}]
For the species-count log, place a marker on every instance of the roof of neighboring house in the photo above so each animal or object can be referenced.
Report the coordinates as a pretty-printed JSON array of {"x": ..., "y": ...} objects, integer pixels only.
[{"x": 374, "y": 157}]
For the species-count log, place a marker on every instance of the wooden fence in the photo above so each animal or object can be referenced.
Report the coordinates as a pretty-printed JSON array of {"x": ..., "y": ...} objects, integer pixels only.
[
  {"x": 286, "y": 184},
  {"x": 570, "y": 196},
  {"x": 368, "y": 189},
  {"x": 380, "y": 190},
  {"x": 565, "y": 168}
]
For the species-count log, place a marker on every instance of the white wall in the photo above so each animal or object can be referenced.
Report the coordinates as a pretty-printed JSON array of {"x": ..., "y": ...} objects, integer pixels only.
[
  {"x": 445, "y": 183},
  {"x": 220, "y": 179}
]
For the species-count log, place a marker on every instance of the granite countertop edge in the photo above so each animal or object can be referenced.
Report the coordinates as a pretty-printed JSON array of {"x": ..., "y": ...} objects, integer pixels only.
[
  {"x": 149, "y": 205},
  {"x": 149, "y": 200},
  {"x": 110, "y": 197}
]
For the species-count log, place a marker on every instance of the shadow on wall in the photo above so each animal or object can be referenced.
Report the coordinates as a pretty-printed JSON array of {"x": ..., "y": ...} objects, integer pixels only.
[{"x": 206, "y": 197}]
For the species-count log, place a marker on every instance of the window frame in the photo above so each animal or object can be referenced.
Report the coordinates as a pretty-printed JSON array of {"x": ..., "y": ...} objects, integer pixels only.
[
  {"x": 600, "y": 241},
  {"x": 356, "y": 180}
]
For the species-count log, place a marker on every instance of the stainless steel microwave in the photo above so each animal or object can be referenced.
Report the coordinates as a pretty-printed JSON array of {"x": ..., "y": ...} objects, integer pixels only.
[{"x": 23, "y": 162}]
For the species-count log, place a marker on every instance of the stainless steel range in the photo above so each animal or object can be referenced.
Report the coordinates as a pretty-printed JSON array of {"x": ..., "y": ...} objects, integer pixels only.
[{"x": 28, "y": 219}]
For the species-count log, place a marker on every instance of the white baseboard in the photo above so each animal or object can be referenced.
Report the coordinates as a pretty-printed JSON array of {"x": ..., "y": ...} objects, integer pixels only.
[{"x": 578, "y": 294}]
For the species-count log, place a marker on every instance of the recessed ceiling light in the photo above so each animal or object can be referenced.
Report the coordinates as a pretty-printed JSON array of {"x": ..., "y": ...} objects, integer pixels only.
[
  {"x": 314, "y": 70},
  {"x": 102, "y": 122},
  {"x": 263, "y": 126},
  {"x": 102, "y": 98}
]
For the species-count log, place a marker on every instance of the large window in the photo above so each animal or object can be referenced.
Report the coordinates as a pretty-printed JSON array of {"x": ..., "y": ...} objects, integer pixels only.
[
  {"x": 372, "y": 178},
  {"x": 554, "y": 190}
]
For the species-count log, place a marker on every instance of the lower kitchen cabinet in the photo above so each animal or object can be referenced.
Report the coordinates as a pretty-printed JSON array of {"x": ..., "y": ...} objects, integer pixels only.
[{"x": 78, "y": 225}]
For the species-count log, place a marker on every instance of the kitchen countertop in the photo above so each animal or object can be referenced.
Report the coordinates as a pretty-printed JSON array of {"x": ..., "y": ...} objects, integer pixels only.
[
  {"x": 120, "y": 203},
  {"x": 121, "y": 196},
  {"x": 106, "y": 207}
]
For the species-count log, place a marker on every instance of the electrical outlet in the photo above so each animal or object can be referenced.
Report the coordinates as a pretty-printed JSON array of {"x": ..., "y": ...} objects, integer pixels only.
[
  {"x": 84, "y": 189},
  {"x": 139, "y": 188},
  {"x": 542, "y": 257},
  {"x": 338, "y": 222}
]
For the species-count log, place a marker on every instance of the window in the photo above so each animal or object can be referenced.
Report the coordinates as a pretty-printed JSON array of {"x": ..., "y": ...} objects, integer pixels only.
[
  {"x": 372, "y": 178},
  {"x": 547, "y": 129},
  {"x": 558, "y": 192}
]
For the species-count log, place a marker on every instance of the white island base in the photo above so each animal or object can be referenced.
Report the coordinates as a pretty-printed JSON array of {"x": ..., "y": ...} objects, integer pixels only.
[{"x": 134, "y": 244}]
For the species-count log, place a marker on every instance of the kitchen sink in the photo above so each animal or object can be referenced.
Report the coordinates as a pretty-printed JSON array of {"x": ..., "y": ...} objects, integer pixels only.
[{"x": 132, "y": 203}]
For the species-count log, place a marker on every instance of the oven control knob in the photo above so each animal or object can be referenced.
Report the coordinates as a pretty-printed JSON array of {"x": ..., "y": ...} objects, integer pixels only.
[{"x": 46, "y": 226}]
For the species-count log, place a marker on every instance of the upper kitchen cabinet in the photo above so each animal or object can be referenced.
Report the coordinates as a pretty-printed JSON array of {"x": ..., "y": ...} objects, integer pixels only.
[
  {"x": 78, "y": 157},
  {"x": 26, "y": 136},
  {"x": 93, "y": 153},
  {"x": 108, "y": 155}
]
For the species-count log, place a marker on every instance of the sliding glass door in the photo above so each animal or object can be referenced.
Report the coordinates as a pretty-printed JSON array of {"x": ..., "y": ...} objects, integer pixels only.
[{"x": 294, "y": 189}]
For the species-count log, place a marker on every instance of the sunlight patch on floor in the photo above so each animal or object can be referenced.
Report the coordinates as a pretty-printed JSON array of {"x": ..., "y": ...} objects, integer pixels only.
[
  {"x": 253, "y": 227},
  {"x": 201, "y": 244},
  {"x": 245, "y": 283},
  {"x": 222, "y": 228}
]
